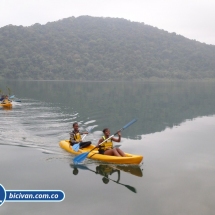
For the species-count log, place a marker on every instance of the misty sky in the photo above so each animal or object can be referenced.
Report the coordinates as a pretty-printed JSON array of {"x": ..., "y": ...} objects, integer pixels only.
[{"x": 194, "y": 19}]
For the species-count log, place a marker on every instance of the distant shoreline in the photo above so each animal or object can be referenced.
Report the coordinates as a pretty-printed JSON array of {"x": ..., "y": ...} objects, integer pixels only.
[{"x": 133, "y": 81}]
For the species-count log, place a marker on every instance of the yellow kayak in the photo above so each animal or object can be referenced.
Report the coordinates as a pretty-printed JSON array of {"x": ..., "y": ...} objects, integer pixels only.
[
  {"x": 6, "y": 105},
  {"x": 129, "y": 159}
]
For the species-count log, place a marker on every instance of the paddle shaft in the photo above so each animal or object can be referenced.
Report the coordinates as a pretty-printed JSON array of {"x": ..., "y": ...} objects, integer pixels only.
[{"x": 84, "y": 136}]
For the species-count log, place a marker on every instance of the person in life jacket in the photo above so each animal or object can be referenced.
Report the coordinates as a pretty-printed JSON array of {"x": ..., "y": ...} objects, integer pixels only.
[
  {"x": 75, "y": 137},
  {"x": 6, "y": 100},
  {"x": 106, "y": 148}
]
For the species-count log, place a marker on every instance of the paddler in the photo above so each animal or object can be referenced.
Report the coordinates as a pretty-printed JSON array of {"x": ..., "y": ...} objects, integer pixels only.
[
  {"x": 6, "y": 100},
  {"x": 75, "y": 137},
  {"x": 106, "y": 148}
]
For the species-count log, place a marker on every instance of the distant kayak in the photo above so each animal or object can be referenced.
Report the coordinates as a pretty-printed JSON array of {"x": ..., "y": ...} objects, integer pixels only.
[
  {"x": 8, "y": 105},
  {"x": 129, "y": 159}
]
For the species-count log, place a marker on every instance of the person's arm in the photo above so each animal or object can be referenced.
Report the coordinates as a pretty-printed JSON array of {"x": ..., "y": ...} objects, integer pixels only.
[{"x": 119, "y": 137}]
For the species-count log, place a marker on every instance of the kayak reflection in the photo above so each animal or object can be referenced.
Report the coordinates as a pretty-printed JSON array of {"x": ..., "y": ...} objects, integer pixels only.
[
  {"x": 107, "y": 170},
  {"x": 7, "y": 108}
]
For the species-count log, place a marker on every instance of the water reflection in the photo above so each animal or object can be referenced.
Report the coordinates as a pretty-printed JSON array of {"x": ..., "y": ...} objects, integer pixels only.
[
  {"x": 178, "y": 160},
  {"x": 155, "y": 105},
  {"x": 107, "y": 170},
  {"x": 6, "y": 108}
]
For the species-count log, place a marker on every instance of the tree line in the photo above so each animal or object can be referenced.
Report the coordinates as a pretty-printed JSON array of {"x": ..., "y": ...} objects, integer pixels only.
[{"x": 103, "y": 49}]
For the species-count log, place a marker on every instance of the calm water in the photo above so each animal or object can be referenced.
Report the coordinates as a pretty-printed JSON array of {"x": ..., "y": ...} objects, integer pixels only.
[{"x": 174, "y": 133}]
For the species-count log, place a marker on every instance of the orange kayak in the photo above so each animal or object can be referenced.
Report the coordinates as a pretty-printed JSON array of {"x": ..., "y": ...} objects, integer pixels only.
[{"x": 6, "y": 105}]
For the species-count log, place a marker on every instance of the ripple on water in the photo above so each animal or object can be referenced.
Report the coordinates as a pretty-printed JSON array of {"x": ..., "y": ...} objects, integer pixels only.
[{"x": 38, "y": 125}]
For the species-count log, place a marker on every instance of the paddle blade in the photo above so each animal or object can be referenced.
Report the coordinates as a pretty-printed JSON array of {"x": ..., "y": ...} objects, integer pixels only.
[
  {"x": 79, "y": 166},
  {"x": 80, "y": 158},
  {"x": 76, "y": 147},
  {"x": 130, "y": 123},
  {"x": 131, "y": 188}
]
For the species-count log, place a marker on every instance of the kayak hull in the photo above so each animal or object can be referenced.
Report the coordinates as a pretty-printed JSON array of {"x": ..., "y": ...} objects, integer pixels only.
[
  {"x": 8, "y": 105},
  {"x": 129, "y": 159}
]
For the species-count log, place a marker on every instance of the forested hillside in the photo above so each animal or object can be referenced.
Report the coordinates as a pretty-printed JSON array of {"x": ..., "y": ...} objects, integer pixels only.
[{"x": 89, "y": 48}]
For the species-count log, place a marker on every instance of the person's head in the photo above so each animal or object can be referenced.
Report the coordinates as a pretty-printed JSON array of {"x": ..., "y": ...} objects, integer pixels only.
[
  {"x": 6, "y": 96},
  {"x": 75, "y": 126},
  {"x": 106, "y": 131}
]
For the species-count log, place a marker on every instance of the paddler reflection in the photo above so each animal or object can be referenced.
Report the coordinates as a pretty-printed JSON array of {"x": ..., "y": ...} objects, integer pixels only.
[
  {"x": 75, "y": 170},
  {"x": 106, "y": 170}
]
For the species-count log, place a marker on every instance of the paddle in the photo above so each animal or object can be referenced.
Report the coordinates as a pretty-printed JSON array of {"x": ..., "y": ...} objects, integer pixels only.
[
  {"x": 76, "y": 146},
  {"x": 82, "y": 157},
  {"x": 128, "y": 186},
  {"x": 13, "y": 97}
]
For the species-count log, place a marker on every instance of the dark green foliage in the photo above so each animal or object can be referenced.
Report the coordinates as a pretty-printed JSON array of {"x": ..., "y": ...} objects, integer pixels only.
[{"x": 88, "y": 48}]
